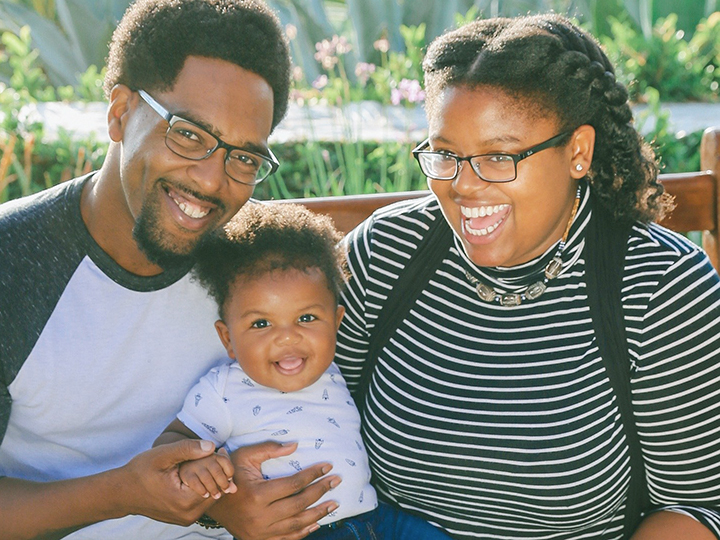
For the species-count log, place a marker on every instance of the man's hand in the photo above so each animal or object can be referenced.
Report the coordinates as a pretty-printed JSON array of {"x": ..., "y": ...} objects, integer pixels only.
[
  {"x": 148, "y": 485},
  {"x": 273, "y": 509},
  {"x": 151, "y": 484}
]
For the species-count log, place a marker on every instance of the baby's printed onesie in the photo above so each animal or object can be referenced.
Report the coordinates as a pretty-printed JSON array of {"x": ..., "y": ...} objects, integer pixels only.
[{"x": 229, "y": 408}]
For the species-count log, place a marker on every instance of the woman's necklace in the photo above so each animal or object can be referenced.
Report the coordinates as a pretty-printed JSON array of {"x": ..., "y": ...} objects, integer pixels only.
[{"x": 534, "y": 291}]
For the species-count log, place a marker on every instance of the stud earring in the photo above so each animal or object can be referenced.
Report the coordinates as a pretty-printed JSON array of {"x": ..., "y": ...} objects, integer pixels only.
[{"x": 578, "y": 167}]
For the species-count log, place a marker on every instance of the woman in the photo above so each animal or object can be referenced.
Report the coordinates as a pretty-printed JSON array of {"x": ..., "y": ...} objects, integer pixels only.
[{"x": 490, "y": 410}]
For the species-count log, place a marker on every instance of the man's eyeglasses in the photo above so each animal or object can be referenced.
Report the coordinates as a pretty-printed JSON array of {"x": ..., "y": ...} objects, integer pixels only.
[
  {"x": 499, "y": 167},
  {"x": 190, "y": 141}
]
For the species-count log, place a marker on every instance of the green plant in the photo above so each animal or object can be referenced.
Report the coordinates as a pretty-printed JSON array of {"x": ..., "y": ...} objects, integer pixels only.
[
  {"x": 70, "y": 35},
  {"x": 27, "y": 80},
  {"x": 28, "y": 163},
  {"x": 677, "y": 151},
  {"x": 679, "y": 69},
  {"x": 312, "y": 169}
]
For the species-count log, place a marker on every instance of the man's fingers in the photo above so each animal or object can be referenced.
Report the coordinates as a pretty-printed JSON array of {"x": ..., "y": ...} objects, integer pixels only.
[
  {"x": 302, "y": 524},
  {"x": 298, "y": 503},
  {"x": 301, "y": 482},
  {"x": 169, "y": 455},
  {"x": 255, "y": 454}
]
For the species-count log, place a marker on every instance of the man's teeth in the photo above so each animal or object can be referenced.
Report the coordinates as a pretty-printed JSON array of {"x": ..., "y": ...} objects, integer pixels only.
[
  {"x": 482, "y": 211},
  {"x": 193, "y": 211},
  {"x": 190, "y": 210}
]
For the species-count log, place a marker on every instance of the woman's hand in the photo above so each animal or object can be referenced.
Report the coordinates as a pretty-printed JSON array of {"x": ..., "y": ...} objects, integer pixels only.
[
  {"x": 671, "y": 526},
  {"x": 273, "y": 509}
]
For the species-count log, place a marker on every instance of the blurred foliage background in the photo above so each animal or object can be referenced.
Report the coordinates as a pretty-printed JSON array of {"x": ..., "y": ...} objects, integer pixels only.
[{"x": 345, "y": 51}]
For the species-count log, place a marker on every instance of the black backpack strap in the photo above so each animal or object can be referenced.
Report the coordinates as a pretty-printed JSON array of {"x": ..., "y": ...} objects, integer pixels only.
[
  {"x": 410, "y": 283},
  {"x": 605, "y": 249}
]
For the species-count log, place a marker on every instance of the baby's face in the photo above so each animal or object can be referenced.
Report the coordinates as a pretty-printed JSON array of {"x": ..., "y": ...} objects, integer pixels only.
[{"x": 281, "y": 327}]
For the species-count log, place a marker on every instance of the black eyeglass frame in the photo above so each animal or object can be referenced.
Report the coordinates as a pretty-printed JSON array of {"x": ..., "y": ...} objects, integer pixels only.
[
  {"x": 171, "y": 119},
  {"x": 549, "y": 143}
]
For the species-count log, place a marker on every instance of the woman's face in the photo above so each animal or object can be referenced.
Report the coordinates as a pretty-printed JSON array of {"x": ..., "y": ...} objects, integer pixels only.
[{"x": 505, "y": 224}]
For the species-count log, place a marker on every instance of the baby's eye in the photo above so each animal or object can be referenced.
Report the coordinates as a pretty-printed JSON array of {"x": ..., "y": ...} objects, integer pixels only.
[
  {"x": 260, "y": 323},
  {"x": 307, "y": 317}
]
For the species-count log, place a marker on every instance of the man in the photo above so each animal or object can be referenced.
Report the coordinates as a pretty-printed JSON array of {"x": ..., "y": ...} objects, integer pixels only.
[{"x": 103, "y": 332}]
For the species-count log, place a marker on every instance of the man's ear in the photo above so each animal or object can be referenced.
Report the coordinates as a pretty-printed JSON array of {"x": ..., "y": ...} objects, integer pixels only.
[{"x": 117, "y": 116}]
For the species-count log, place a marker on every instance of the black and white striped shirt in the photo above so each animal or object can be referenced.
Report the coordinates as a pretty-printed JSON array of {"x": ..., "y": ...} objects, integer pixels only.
[{"x": 500, "y": 422}]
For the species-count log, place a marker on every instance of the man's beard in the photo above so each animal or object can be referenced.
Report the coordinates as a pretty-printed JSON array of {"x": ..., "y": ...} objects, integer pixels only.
[{"x": 158, "y": 245}]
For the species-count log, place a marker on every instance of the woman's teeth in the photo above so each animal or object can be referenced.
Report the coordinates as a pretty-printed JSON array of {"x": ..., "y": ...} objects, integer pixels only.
[
  {"x": 470, "y": 213},
  {"x": 481, "y": 232},
  {"x": 482, "y": 211}
]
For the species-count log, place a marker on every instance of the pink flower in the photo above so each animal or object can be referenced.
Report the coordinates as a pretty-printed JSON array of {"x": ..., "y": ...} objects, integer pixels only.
[
  {"x": 328, "y": 51},
  {"x": 412, "y": 91},
  {"x": 320, "y": 83},
  {"x": 395, "y": 96},
  {"x": 297, "y": 74},
  {"x": 382, "y": 45},
  {"x": 408, "y": 90},
  {"x": 363, "y": 70}
]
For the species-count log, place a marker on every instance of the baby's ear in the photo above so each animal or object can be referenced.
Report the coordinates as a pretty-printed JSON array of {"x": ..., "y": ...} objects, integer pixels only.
[
  {"x": 224, "y": 334},
  {"x": 339, "y": 314}
]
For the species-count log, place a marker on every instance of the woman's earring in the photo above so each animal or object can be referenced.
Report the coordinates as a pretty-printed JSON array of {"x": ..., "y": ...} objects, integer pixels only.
[{"x": 578, "y": 167}]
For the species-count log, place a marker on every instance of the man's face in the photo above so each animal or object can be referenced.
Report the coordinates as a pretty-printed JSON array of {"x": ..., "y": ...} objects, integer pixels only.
[{"x": 174, "y": 201}]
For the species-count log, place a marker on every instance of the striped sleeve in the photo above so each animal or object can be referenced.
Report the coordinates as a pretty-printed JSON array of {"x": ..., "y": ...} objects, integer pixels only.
[
  {"x": 353, "y": 336},
  {"x": 675, "y": 344}
]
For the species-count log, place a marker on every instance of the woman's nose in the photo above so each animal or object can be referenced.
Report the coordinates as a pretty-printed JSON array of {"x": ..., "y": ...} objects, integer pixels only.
[{"x": 467, "y": 181}]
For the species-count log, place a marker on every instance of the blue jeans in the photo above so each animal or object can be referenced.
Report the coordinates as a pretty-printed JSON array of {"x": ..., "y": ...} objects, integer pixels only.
[{"x": 384, "y": 523}]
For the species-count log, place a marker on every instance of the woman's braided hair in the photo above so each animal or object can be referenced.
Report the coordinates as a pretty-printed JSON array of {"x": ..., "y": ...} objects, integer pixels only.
[{"x": 548, "y": 63}]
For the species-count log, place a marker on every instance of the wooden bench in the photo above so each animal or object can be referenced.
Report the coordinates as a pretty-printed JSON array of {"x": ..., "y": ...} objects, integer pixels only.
[{"x": 696, "y": 196}]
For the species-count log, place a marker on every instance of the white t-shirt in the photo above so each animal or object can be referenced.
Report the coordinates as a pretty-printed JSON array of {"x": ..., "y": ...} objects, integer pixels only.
[
  {"x": 229, "y": 408},
  {"x": 94, "y": 361}
]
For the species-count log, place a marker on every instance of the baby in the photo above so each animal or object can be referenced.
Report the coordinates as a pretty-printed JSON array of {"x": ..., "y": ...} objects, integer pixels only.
[{"x": 276, "y": 272}]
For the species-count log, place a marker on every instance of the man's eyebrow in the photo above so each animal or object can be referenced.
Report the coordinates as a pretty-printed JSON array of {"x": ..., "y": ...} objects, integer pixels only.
[{"x": 247, "y": 145}]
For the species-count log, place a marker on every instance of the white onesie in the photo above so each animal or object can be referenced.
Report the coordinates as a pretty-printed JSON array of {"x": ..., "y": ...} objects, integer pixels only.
[{"x": 229, "y": 408}]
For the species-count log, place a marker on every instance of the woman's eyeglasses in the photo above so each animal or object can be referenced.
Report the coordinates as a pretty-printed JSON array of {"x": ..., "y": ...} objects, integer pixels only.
[{"x": 498, "y": 167}]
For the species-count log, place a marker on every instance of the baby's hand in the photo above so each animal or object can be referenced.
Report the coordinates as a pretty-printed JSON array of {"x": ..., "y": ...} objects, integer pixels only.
[{"x": 210, "y": 476}]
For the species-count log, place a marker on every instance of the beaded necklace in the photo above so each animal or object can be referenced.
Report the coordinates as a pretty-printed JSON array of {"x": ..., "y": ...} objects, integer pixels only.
[{"x": 535, "y": 290}]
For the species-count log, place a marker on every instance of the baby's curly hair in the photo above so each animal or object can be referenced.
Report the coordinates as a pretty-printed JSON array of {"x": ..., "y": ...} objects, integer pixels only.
[
  {"x": 263, "y": 237},
  {"x": 154, "y": 38},
  {"x": 553, "y": 66}
]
